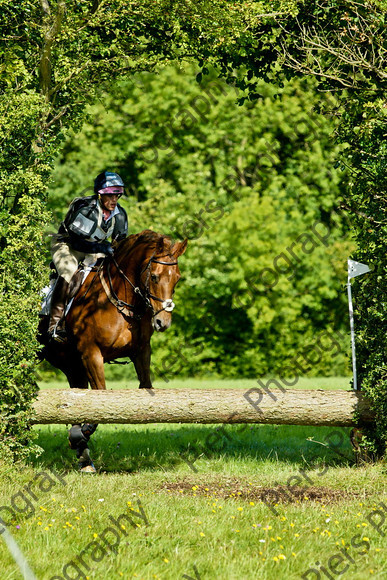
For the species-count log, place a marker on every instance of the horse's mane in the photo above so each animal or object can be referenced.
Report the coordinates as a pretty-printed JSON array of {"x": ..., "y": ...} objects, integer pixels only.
[{"x": 157, "y": 242}]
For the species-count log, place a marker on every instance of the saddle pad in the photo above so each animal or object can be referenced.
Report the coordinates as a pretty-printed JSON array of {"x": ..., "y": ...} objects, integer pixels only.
[{"x": 47, "y": 291}]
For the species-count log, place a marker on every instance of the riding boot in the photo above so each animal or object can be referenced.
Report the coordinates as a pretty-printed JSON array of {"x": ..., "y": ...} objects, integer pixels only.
[
  {"x": 75, "y": 283},
  {"x": 58, "y": 300}
]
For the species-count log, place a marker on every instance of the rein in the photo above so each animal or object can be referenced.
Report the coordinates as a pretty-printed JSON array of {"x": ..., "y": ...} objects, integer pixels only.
[
  {"x": 128, "y": 309},
  {"x": 122, "y": 307}
]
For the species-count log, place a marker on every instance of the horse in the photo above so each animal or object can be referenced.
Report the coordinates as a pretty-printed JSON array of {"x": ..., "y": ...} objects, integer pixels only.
[{"x": 113, "y": 315}]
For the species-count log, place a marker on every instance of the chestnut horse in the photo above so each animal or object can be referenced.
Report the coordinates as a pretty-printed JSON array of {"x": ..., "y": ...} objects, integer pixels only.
[
  {"x": 117, "y": 309},
  {"x": 115, "y": 313}
]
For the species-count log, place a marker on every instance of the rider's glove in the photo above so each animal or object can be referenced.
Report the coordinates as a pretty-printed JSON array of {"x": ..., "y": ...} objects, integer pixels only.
[{"x": 107, "y": 249}]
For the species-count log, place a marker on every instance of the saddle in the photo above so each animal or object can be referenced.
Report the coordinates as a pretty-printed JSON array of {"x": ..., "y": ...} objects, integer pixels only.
[{"x": 75, "y": 284}]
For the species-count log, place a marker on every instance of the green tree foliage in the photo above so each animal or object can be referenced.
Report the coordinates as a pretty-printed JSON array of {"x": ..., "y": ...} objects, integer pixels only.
[
  {"x": 342, "y": 44},
  {"x": 244, "y": 184},
  {"x": 20, "y": 282},
  {"x": 54, "y": 58},
  {"x": 366, "y": 123},
  {"x": 347, "y": 49}
]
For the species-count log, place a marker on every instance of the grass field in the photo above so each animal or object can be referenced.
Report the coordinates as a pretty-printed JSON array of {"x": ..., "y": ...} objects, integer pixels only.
[
  {"x": 332, "y": 383},
  {"x": 243, "y": 502}
]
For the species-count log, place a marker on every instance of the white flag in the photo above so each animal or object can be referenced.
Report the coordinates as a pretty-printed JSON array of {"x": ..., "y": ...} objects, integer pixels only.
[{"x": 356, "y": 269}]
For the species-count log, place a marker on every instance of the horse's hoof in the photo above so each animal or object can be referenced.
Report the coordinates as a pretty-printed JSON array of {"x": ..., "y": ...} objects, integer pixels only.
[{"x": 88, "y": 469}]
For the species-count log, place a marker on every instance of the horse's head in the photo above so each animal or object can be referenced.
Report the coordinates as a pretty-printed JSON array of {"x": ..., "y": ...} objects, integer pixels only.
[
  {"x": 159, "y": 277},
  {"x": 154, "y": 257}
]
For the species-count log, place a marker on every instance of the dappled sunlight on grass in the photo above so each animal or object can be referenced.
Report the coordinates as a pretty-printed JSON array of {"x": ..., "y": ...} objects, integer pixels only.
[{"x": 134, "y": 448}]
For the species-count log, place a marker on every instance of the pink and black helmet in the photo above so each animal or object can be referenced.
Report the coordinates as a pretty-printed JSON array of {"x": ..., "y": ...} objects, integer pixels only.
[{"x": 108, "y": 182}]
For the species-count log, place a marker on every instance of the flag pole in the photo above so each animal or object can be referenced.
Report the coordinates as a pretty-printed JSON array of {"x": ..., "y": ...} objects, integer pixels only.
[
  {"x": 352, "y": 325},
  {"x": 354, "y": 269}
]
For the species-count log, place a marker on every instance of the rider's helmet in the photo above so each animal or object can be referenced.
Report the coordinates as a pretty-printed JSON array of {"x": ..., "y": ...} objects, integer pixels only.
[{"x": 108, "y": 182}]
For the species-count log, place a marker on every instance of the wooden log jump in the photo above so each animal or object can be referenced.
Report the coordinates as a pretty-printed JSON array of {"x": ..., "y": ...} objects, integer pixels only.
[{"x": 293, "y": 407}]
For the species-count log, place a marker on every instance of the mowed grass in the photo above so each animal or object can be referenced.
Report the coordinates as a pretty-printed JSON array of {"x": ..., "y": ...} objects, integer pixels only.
[
  {"x": 331, "y": 383},
  {"x": 229, "y": 502}
]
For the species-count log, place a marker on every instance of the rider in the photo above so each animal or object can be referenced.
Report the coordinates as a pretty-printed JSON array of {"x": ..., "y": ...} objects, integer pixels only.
[{"x": 82, "y": 237}]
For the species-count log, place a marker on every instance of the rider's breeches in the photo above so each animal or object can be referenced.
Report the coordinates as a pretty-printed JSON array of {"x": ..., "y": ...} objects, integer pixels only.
[{"x": 66, "y": 259}]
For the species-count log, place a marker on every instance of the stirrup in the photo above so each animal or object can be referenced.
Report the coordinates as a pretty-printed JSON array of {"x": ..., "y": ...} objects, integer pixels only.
[{"x": 57, "y": 334}]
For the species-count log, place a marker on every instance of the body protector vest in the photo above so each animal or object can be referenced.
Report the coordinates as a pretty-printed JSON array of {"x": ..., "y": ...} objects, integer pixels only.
[{"x": 86, "y": 227}]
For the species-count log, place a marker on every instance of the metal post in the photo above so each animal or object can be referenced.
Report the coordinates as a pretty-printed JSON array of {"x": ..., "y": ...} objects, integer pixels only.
[{"x": 354, "y": 269}]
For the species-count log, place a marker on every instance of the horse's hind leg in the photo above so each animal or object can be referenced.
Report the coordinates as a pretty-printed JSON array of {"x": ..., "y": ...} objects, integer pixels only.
[{"x": 77, "y": 375}]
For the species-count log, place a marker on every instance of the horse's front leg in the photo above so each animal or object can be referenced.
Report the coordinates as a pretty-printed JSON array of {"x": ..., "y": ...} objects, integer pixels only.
[
  {"x": 142, "y": 365},
  {"x": 92, "y": 360}
]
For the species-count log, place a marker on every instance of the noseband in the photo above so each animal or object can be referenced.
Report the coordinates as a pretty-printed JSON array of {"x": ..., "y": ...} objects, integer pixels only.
[{"x": 168, "y": 305}]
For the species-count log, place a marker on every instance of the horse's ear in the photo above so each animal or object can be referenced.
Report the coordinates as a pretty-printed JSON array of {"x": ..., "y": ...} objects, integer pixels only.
[
  {"x": 160, "y": 246},
  {"x": 179, "y": 248}
]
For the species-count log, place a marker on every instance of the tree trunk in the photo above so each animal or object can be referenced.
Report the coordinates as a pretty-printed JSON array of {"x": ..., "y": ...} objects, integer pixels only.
[{"x": 291, "y": 407}]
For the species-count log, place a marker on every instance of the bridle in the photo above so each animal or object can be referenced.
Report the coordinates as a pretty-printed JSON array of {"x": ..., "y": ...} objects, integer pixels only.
[{"x": 168, "y": 305}]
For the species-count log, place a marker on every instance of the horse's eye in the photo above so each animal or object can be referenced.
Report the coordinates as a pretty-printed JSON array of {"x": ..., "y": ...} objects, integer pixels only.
[{"x": 154, "y": 278}]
